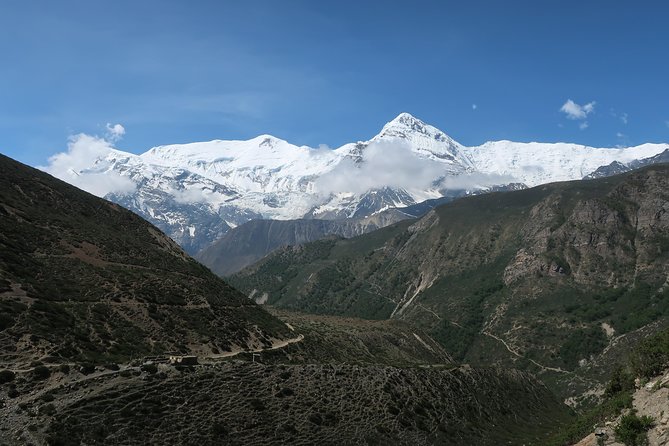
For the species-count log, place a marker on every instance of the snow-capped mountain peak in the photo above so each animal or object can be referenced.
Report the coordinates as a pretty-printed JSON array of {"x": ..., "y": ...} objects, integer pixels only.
[
  {"x": 406, "y": 123},
  {"x": 197, "y": 191},
  {"x": 425, "y": 140},
  {"x": 408, "y": 126}
]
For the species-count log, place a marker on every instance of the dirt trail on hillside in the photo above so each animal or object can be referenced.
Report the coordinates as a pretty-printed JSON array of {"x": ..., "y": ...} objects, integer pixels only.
[{"x": 275, "y": 345}]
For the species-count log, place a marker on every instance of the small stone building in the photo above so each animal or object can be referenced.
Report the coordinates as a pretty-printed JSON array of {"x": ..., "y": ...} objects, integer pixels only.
[{"x": 183, "y": 360}]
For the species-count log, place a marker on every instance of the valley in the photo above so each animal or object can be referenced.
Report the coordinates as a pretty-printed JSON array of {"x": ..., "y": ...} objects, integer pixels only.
[{"x": 499, "y": 316}]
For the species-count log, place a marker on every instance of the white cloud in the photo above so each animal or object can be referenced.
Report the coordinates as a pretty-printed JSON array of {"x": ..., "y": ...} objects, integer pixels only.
[
  {"x": 621, "y": 135},
  {"x": 474, "y": 106},
  {"x": 666, "y": 123},
  {"x": 393, "y": 164},
  {"x": 115, "y": 132},
  {"x": 623, "y": 118},
  {"x": 84, "y": 165},
  {"x": 589, "y": 107},
  {"x": 475, "y": 180},
  {"x": 583, "y": 125},
  {"x": 383, "y": 164},
  {"x": 190, "y": 196},
  {"x": 575, "y": 111}
]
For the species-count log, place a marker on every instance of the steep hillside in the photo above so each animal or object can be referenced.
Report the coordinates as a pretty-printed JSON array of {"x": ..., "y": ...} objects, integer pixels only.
[
  {"x": 543, "y": 278},
  {"x": 84, "y": 279},
  {"x": 243, "y": 403},
  {"x": 248, "y": 243},
  {"x": 349, "y": 381}
]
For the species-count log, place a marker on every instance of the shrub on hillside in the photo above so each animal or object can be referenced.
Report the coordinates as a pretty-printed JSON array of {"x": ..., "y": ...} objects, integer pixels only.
[
  {"x": 651, "y": 356},
  {"x": 621, "y": 380},
  {"x": 6, "y": 376},
  {"x": 86, "y": 368},
  {"x": 41, "y": 372},
  {"x": 632, "y": 429},
  {"x": 149, "y": 368}
]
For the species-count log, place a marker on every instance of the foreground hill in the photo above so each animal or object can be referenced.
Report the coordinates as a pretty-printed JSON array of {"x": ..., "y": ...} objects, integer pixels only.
[
  {"x": 84, "y": 279},
  {"x": 544, "y": 278},
  {"x": 252, "y": 404},
  {"x": 349, "y": 381}
]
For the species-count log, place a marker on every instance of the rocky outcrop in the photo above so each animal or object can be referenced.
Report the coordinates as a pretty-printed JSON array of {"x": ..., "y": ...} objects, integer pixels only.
[{"x": 650, "y": 399}]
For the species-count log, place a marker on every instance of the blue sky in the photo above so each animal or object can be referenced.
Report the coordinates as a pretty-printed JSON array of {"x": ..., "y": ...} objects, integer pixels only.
[{"x": 330, "y": 72}]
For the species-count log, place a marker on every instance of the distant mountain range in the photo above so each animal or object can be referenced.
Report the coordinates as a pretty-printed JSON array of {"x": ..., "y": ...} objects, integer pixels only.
[
  {"x": 196, "y": 192},
  {"x": 247, "y": 243},
  {"x": 616, "y": 167}
]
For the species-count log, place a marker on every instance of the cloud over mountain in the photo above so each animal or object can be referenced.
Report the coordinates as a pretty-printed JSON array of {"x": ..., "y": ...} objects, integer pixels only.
[
  {"x": 83, "y": 165},
  {"x": 383, "y": 164}
]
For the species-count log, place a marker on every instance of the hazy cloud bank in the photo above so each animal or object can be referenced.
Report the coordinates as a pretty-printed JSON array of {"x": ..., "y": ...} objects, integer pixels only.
[
  {"x": 475, "y": 180},
  {"x": 382, "y": 164},
  {"x": 393, "y": 164}
]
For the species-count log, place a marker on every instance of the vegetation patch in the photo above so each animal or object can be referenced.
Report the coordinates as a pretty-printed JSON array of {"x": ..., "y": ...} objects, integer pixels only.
[{"x": 632, "y": 429}]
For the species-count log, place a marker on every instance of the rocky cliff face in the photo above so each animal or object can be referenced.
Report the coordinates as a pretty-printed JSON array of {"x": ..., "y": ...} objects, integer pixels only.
[{"x": 603, "y": 241}]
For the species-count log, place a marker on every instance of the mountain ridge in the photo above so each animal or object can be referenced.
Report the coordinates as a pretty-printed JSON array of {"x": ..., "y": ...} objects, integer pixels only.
[
  {"x": 196, "y": 192},
  {"x": 249, "y": 242},
  {"x": 543, "y": 278}
]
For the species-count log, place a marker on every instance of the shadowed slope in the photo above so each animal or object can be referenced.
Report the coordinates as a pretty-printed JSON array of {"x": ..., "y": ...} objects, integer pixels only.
[{"x": 82, "y": 278}]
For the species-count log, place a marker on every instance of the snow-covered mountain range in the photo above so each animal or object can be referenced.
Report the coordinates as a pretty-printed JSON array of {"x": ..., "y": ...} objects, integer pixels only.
[{"x": 196, "y": 192}]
